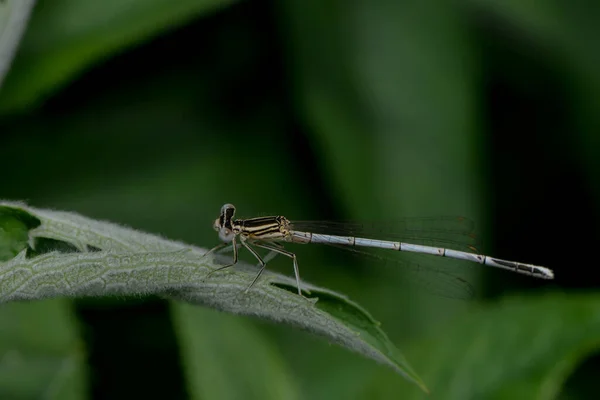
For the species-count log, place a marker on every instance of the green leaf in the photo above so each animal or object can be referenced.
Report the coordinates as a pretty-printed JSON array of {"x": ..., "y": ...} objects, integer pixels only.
[
  {"x": 128, "y": 262},
  {"x": 13, "y": 19},
  {"x": 522, "y": 347},
  {"x": 216, "y": 348},
  {"x": 391, "y": 101},
  {"x": 41, "y": 354},
  {"x": 67, "y": 36},
  {"x": 15, "y": 225},
  {"x": 566, "y": 34}
]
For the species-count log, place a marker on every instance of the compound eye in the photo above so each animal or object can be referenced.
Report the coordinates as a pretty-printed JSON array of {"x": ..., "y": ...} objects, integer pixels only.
[
  {"x": 217, "y": 224},
  {"x": 227, "y": 207},
  {"x": 226, "y": 235},
  {"x": 228, "y": 211}
]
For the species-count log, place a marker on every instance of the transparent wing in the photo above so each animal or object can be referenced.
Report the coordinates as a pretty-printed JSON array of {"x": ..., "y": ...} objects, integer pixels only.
[
  {"x": 439, "y": 276},
  {"x": 447, "y": 232}
]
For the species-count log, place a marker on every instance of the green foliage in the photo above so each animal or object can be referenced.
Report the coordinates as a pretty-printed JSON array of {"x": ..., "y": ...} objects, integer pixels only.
[
  {"x": 68, "y": 36},
  {"x": 153, "y": 114},
  {"x": 43, "y": 355},
  {"x": 523, "y": 347},
  {"x": 213, "y": 353}
]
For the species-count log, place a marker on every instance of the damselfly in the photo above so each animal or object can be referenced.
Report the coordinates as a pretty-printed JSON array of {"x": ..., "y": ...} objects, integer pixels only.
[{"x": 269, "y": 232}]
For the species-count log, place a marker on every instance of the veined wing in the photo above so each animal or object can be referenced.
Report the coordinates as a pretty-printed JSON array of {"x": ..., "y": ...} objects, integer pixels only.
[{"x": 448, "y": 232}]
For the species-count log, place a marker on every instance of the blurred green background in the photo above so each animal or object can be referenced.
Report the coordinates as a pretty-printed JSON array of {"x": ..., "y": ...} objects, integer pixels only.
[{"x": 153, "y": 114}]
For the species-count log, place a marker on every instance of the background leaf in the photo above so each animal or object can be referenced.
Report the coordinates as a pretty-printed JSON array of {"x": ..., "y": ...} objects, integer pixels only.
[
  {"x": 212, "y": 356},
  {"x": 48, "y": 366},
  {"x": 13, "y": 20},
  {"x": 330, "y": 111},
  {"x": 509, "y": 349},
  {"x": 68, "y": 36}
]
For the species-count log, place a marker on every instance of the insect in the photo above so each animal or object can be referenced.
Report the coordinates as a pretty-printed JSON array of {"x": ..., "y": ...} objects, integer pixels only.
[{"x": 270, "y": 232}]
